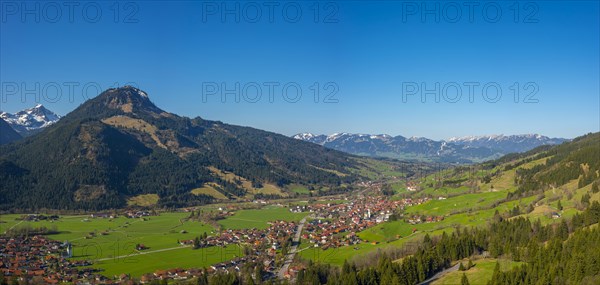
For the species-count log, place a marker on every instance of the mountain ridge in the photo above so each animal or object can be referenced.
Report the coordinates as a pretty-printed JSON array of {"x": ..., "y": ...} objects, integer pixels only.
[{"x": 456, "y": 150}]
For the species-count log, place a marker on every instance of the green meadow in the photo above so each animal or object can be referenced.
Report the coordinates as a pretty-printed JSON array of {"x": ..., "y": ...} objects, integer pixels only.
[
  {"x": 300, "y": 189},
  {"x": 337, "y": 256},
  {"x": 377, "y": 169},
  {"x": 394, "y": 230},
  {"x": 111, "y": 242},
  {"x": 181, "y": 257},
  {"x": 259, "y": 218},
  {"x": 479, "y": 274},
  {"x": 457, "y": 203},
  {"x": 445, "y": 191}
]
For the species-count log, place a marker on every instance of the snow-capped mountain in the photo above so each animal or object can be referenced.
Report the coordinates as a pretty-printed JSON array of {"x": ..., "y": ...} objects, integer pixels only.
[
  {"x": 311, "y": 138},
  {"x": 30, "y": 121},
  {"x": 512, "y": 143},
  {"x": 459, "y": 150}
]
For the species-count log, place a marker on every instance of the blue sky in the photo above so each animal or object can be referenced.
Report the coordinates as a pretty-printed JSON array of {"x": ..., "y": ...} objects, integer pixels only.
[{"x": 365, "y": 53}]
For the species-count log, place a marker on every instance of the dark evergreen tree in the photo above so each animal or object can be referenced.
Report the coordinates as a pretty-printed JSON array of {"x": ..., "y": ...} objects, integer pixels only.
[
  {"x": 559, "y": 206},
  {"x": 464, "y": 280}
]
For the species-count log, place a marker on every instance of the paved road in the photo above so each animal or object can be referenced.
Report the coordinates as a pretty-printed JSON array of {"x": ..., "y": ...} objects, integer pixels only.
[
  {"x": 290, "y": 257},
  {"x": 440, "y": 274}
]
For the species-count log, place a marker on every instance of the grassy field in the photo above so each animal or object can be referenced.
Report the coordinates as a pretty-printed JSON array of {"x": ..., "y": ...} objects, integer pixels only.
[
  {"x": 445, "y": 191},
  {"x": 182, "y": 257},
  {"x": 115, "y": 253},
  {"x": 259, "y": 218},
  {"x": 336, "y": 256},
  {"x": 458, "y": 203},
  {"x": 268, "y": 189},
  {"x": 391, "y": 231},
  {"x": 377, "y": 169},
  {"x": 156, "y": 232},
  {"x": 207, "y": 189},
  {"x": 300, "y": 189},
  {"x": 331, "y": 201},
  {"x": 144, "y": 200},
  {"x": 480, "y": 274},
  {"x": 231, "y": 177}
]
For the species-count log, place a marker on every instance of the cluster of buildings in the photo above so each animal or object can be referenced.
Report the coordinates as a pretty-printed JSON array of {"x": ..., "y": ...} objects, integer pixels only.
[
  {"x": 269, "y": 238},
  {"x": 415, "y": 219},
  {"x": 263, "y": 244},
  {"x": 42, "y": 260},
  {"x": 137, "y": 214},
  {"x": 336, "y": 225},
  {"x": 412, "y": 186},
  {"x": 171, "y": 274},
  {"x": 132, "y": 214},
  {"x": 235, "y": 264},
  {"x": 36, "y": 217}
]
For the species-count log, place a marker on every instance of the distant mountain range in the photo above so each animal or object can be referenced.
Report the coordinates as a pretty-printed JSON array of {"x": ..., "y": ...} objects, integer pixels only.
[
  {"x": 30, "y": 121},
  {"x": 507, "y": 144},
  {"x": 455, "y": 150}
]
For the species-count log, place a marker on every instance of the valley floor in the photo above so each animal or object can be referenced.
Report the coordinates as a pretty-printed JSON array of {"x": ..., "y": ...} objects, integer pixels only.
[{"x": 353, "y": 227}]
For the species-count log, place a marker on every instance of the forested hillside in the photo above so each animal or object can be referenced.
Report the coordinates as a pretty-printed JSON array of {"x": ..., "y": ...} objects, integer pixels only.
[
  {"x": 550, "y": 235},
  {"x": 120, "y": 144},
  {"x": 579, "y": 159},
  {"x": 7, "y": 134}
]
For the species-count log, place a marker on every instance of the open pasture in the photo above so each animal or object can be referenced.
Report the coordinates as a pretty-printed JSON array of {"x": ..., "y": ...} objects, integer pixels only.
[
  {"x": 259, "y": 218},
  {"x": 111, "y": 242},
  {"x": 480, "y": 273},
  {"x": 456, "y": 204}
]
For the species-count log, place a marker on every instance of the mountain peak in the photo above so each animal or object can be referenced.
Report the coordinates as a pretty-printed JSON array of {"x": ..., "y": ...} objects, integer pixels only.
[
  {"x": 41, "y": 113},
  {"x": 304, "y": 136},
  {"x": 29, "y": 121},
  {"x": 132, "y": 90},
  {"x": 128, "y": 99},
  {"x": 127, "y": 90}
]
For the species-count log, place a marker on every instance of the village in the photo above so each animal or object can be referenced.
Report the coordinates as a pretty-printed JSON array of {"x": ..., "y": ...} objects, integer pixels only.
[
  {"x": 44, "y": 261},
  {"x": 336, "y": 225},
  {"x": 329, "y": 224}
]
